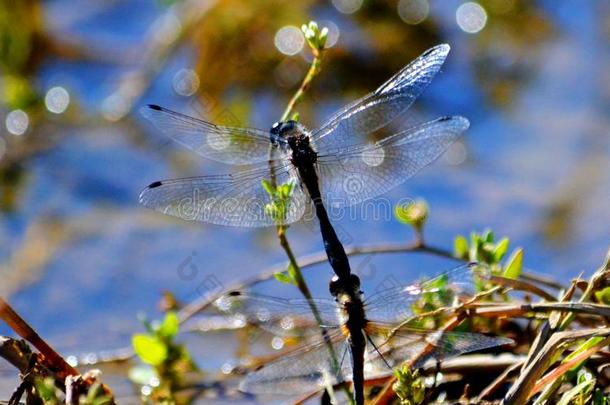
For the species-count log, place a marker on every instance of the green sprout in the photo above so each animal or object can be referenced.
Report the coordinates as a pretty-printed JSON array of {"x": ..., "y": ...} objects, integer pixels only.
[
  {"x": 280, "y": 200},
  {"x": 166, "y": 361},
  {"x": 414, "y": 214},
  {"x": 409, "y": 386},
  {"x": 315, "y": 37},
  {"x": 485, "y": 250}
]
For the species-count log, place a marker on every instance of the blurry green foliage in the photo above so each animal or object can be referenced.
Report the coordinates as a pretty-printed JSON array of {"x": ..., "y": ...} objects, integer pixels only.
[
  {"x": 409, "y": 386},
  {"x": 280, "y": 199},
  {"x": 19, "y": 46},
  {"x": 167, "y": 361},
  {"x": 482, "y": 248},
  {"x": 580, "y": 393}
]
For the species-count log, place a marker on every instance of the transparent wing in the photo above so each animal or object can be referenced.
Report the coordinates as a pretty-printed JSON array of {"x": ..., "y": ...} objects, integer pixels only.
[
  {"x": 418, "y": 346},
  {"x": 232, "y": 199},
  {"x": 397, "y": 303},
  {"x": 352, "y": 175},
  {"x": 308, "y": 369},
  {"x": 223, "y": 144},
  {"x": 379, "y": 108},
  {"x": 280, "y": 316}
]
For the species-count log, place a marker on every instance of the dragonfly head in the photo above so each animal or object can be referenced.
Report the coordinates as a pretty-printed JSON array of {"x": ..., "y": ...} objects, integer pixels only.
[
  {"x": 286, "y": 131},
  {"x": 350, "y": 287}
]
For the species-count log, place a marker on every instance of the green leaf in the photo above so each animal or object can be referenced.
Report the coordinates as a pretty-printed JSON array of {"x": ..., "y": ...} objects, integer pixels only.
[
  {"x": 589, "y": 343},
  {"x": 170, "y": 326},
  {"x": 500, "y": 249},
  {"x": 488, "y": 236},
  {"x": 514, "y": 266},
  {"x": 460, "y": 247},
  {"x": 603, "y": 296},
  {"x": 268, "y": 187},
  {"x": 149, "y": 349},
  {"x": 579, "y": 389},
  {"x": 284, "y": 278},
  {"x": 475, "y": 244}
]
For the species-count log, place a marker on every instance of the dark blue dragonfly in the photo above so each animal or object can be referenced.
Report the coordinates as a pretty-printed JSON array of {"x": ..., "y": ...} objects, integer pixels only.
[
  {"x": 329, "y": 165},
  {"x": 364, "y": 338}
]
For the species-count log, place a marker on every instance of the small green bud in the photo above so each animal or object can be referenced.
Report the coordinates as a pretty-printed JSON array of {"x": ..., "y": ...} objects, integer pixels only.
[
  {"x": 409, "y": 386},
  {"x": 323, "y": 37},
  {"x": 460, "y": 247},
  {"x": 414, "y": 214}
]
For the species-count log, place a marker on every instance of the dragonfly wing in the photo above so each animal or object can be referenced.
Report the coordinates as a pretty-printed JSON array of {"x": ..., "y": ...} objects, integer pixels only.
[
  {"x": 224, "y": 144},
  {"x": 358, "y": 173},
  {"x": 379, "y": 108},
  {"x": 418, "y": 346},
  {"x": 308, "y": 369},
  {"x": 232, "y": 200},
  {"x": 281, "y": 316},
  {"x": 396, "y": 303}
]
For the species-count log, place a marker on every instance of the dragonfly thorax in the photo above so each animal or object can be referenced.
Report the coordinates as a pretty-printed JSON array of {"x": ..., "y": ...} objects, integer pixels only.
[
  {"x": 351, "y": 286},
  {"x": 294, "y": 134},
  {"x": 349, "y": 297},
  {"x": 298, "y": 139}
]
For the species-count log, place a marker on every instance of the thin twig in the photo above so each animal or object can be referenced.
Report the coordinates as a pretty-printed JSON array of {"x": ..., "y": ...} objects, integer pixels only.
[
  {"x": 21, "y": 327},
  {"x": 305, "y": 262},
  {"x": 501, "y": 379},
  {"x": 522, "y": 388}
]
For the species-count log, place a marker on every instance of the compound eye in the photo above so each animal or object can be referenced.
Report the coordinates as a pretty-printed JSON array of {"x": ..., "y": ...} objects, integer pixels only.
[
  {"x": 355, "y": 280},
  {"x": 333, "y": 286},
  {"x": 275, "y": 128}
]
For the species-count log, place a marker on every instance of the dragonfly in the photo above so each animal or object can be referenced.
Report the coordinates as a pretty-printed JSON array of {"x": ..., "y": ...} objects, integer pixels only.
[
  {"x": 362, "y": 338},
  {"x": 328, "y": 166}
]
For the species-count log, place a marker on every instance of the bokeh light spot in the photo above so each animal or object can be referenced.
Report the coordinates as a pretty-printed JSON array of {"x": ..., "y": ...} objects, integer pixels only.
[
  {"x": 185, "y": 82},
  {"x": 471, "y": 17},
  {"x": 17, "y": 122},
  {"x": 57, "y": 100},
  {"x": 347, "y": 6},
  {"x": 413, "y": 11},
  {"x": 277, "y": 342},
  {"x": 289, "y": 40}
]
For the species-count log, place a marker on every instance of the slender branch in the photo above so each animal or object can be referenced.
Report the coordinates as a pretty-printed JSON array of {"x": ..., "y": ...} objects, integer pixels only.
[
  {"x": 314, "y": 69},
  {"x": 311, "y": 260},
  {"x": 21, "y": 327}
]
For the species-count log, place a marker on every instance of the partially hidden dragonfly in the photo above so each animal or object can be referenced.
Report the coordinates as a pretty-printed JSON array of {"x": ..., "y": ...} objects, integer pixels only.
[
  {"x": 361, "y": 338},
  {"x": 327, "y": 162}
]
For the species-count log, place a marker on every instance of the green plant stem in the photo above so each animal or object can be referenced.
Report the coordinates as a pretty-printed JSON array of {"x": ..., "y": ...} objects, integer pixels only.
[
  {"x": 281, "y": 229},
  {"x": 314, "y": 69}
]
